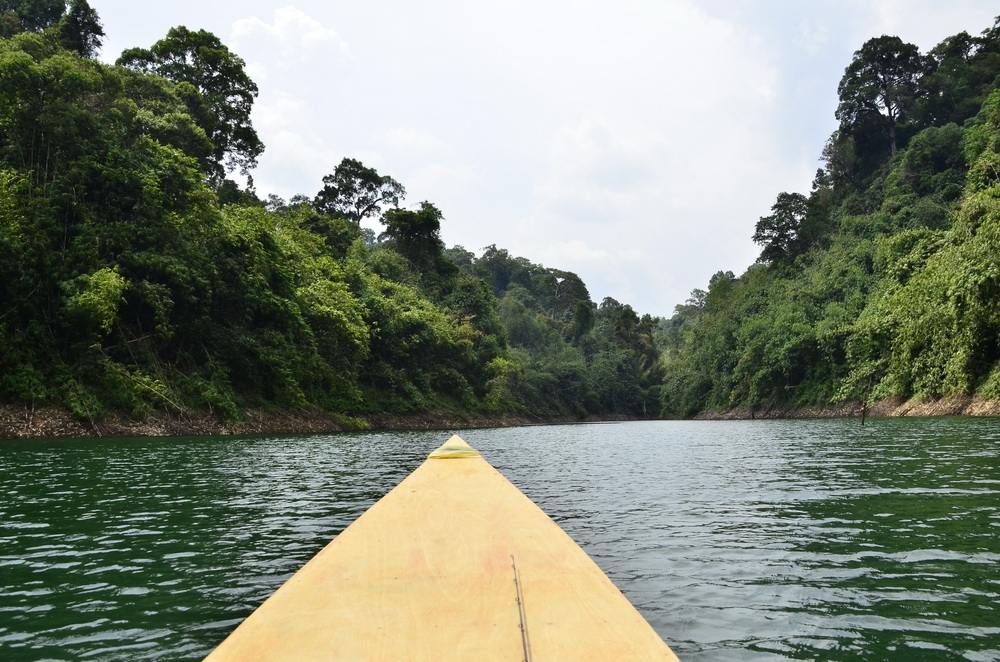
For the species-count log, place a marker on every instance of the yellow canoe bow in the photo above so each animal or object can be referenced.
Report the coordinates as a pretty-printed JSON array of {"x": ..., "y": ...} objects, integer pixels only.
[{"x": 454, "y": 563}]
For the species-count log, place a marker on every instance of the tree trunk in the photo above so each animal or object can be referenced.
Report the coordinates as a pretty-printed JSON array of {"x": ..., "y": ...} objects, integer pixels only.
[{"x": 892, "y": 138}]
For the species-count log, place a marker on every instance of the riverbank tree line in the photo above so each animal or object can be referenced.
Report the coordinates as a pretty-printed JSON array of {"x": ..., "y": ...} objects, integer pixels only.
[
  {"x": 884, "y": 279},
  {"x": 136, "y": 275}
]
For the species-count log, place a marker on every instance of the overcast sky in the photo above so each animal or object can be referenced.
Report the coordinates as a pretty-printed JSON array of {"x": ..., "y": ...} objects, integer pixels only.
[{"x": 633, "y": 142}]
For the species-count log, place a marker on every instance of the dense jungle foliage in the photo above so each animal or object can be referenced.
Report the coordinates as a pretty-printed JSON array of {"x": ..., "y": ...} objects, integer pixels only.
[
  {"x": 885, "y": 279},
  {"x": 136, "y": 276}
]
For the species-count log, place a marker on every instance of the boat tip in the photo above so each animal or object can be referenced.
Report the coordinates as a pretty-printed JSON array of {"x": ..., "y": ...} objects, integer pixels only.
[{"x": 455, "y": 447}]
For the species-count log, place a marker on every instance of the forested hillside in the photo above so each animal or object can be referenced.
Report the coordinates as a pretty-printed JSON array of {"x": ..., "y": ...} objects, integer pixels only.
[
  {"x": 136, "y": 276},
  {"x": 883, "y": 280}
]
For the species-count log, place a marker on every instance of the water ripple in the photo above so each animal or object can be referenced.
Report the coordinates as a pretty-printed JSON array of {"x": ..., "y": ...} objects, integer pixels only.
[{"x": 737, "y": 540}]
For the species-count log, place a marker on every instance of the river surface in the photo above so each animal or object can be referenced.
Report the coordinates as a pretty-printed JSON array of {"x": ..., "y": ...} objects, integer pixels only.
[{"x": 757, "y": 540}]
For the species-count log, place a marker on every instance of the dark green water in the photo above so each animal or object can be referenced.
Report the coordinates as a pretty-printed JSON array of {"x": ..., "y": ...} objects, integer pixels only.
[{"x": 737, "y": 540}]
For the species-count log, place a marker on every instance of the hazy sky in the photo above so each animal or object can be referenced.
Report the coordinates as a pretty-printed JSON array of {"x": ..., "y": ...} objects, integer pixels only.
[{"x": 634, "y": 142}]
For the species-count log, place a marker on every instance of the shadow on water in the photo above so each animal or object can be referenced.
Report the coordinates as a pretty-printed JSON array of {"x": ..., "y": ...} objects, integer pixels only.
[{"x": 737, "y": 540}]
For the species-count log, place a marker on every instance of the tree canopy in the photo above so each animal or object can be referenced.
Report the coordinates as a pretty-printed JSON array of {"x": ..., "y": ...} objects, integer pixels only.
[
  {"x": 30, "y": 15},
  {"x": 135, "y": 277},
  {"x": 214, "y": 83},
  {"x": 415, "y": 234},
  {"x": 778, "y": 232},
  {"x": 80, "y": 29},
  {"x": 356, "y": 192},
  {"x": 883, "y": 281},
  {"x": 882, "y": 80}
]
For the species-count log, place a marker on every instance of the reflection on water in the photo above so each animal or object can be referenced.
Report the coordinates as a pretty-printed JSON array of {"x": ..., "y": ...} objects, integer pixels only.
[{"x": 737, "y": 540}]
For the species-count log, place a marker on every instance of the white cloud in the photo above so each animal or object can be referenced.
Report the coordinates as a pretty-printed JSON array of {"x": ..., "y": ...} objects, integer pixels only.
[
  {"x": 634, "y": 143},
  {"x": 297, "y": 153},
  {"x": 298, "y": 149},
  {"x": 415, "y": 143},
  {"x": 292, "y": 36},
  {"x": 926, "y": 22},
  {"x": 812, "y": 36},
  {"x": 669, "y": 153}
]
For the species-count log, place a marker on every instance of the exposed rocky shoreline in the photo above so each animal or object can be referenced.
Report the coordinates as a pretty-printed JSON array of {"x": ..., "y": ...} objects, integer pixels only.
[
  {"x": 21, "y": 421},
  {"x": 953, "y": 405}
]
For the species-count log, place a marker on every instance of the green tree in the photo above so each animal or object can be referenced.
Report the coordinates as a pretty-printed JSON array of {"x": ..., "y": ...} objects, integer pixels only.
[
  {"x": 415, "y": 234},
  {"x": 963, "y": 71},
  {"x": 220, "y": 96},
  {"x": 130, "y": 281},
  {"x": 355, "y": 192},
  {"x": 778, "y": 232},
  {"x": 30, "y": 15},
  {"x": 80, "y": 29},
  {"x": 583, "y": 319},
  {"x": 883, "y": 80}
]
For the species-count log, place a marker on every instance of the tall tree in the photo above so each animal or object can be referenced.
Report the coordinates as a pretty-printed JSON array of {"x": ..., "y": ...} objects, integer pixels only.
[
  {"x": 30, "y": 15},
  {"x": 963, "y": 70},
  {"x": 416, "y": 234},
  {"x": 225, "y": 93},
  {"x": 777, "y": 233},
  {"x": 881, "y": 80},
  {"x": 80, "y": 29},
  {"x": 355, "y": 191}
]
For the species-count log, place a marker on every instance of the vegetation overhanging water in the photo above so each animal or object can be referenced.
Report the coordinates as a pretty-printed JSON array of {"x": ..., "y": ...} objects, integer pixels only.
[{"x": 138, "y": 277}]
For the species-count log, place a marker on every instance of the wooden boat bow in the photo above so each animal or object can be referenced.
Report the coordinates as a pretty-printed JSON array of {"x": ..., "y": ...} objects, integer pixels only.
[{"x": 454, "y": 563}]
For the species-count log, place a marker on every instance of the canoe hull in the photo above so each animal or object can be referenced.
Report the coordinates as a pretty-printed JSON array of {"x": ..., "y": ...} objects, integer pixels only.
[{"x": 428, "y": 573}]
